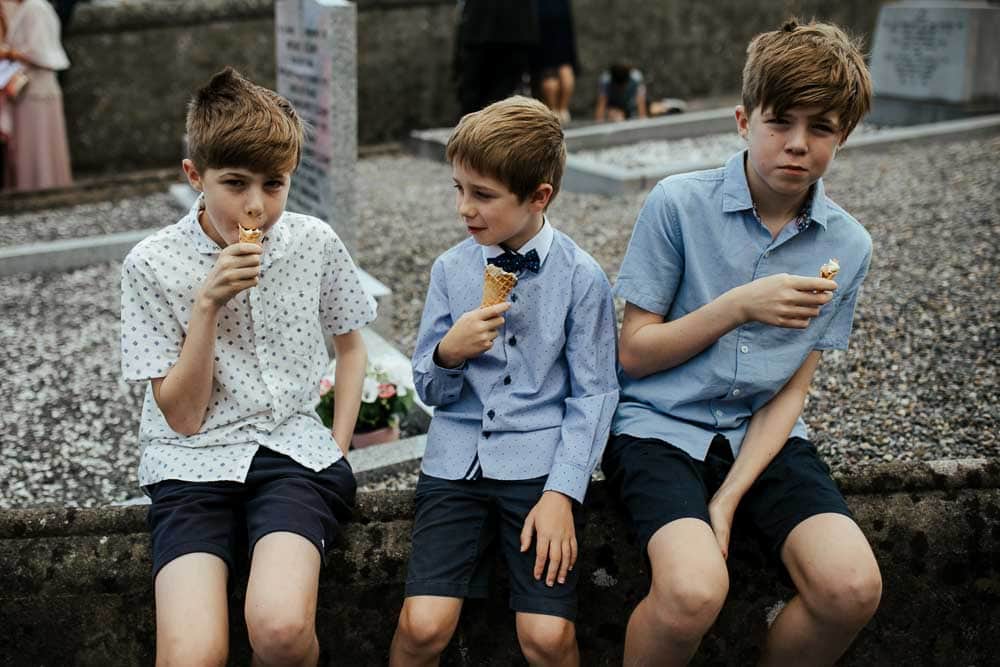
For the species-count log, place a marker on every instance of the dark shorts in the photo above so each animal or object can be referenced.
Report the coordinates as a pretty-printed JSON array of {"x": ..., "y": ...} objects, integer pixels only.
[
  {"x": 459, "y": 527},
  {"x": 227, "y": 518},
  {"x": 659, "y": 483}
]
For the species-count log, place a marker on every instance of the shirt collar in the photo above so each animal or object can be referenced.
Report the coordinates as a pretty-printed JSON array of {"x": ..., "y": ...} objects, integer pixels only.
[
  {"x": 736, "y": 191},
  {"x": 275, "y": 241},
  {"x": 540, "y": 243}
]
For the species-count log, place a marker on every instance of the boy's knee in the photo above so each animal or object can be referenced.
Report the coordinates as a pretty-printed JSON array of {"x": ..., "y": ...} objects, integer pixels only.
[
  {"x": 425, "y": 633},
  {"x": 849, "y": 599},
  {"x": 281, "y": 639},
  {"x": 547, "y": 639},
  {"x": 686, "y": 606}
]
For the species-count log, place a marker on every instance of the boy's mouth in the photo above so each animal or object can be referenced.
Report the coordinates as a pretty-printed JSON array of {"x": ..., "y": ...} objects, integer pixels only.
[{"x": 792, "y": 168}]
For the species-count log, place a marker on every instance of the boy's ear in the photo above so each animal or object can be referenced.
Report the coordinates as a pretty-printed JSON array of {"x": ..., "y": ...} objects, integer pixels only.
[
  {"x": 194, "y": 178},
  {"x": 742, "y": 121},
  {"x": 541, "y": 196}
]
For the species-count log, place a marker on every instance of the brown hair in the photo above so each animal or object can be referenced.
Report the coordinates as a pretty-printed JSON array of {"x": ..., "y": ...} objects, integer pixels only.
[
  {"x": 815, "y": 64},
  {"x": 233, "y": 122},
  {"x": 517, "y": 141}
]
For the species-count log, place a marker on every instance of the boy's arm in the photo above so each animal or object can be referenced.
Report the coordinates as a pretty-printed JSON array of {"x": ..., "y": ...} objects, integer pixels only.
[
  {"x": 651, "y": 275},
  {"x": 649, "y": 344},
  {"x": 589, "y": 407},
  {"x": 443, "y": 346},
  {"x": 766, "y": 435},
  {"x": 351, "y": 360},
  {"x": 184, "y": 393}
]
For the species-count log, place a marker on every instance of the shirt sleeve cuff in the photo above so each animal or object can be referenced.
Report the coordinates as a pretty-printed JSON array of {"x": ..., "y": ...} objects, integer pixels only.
[{"x": 569, "y": 480}]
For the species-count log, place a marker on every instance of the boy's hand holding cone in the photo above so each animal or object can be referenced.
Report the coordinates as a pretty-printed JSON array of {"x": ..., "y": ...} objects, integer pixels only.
[{"x": 474, "y": 332}]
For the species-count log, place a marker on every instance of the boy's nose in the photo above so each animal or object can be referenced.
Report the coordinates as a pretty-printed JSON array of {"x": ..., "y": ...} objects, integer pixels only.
[
  {"x": 796, "y": 141},
  {"x": 466, "y": 209}
]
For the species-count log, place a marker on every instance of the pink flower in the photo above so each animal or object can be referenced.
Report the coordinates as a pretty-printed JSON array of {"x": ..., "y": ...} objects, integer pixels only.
[
  {"x": 386, "y": 390},
  {"x": 324, "y": 386}
]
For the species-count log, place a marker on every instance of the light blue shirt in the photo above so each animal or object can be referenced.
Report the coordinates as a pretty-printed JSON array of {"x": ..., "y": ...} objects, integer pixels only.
[
  {"x": 697, "y": 237},
  {"x": 540, "y": 401}
]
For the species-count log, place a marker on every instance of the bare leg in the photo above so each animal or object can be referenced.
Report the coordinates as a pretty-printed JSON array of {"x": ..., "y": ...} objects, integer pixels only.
[
  {"x": 281, "y": 601},
  {"x": 192, "y": 612},
  {"x": 567, "y": 82},
  {"x": 839, "y": 587},
  {"x": 689, "y": 585},
  {"x": 549, "y": 90},
  {"x": 547, "y": 640},
  {"x": 426, "y": 624}
]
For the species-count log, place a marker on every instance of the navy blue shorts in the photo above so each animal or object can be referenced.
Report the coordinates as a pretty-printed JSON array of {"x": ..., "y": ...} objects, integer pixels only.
[
  {"x": 227, "y": 518},
  {"x": 459, "y": 527},
  {"x": 659, "y": 483}
]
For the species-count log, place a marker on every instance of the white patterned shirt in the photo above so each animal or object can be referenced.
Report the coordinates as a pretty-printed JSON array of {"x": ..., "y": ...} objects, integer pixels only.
[{"x": 270, "y": 350}]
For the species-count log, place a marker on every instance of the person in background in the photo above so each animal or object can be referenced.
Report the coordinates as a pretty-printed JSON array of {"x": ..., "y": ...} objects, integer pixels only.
[
  {"x": 554, "y": 63},
  {"x": 37, "y": 150},
  {"x": 493, "y": 50},
  {"x": 621, "y": 94}
]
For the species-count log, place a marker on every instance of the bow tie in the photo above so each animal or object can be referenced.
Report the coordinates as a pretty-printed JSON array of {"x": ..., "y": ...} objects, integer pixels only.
[{"x": 514, "y": 262}]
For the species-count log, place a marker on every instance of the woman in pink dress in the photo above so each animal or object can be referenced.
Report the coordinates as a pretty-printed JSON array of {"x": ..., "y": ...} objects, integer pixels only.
[{"x": 37, "y": 150}]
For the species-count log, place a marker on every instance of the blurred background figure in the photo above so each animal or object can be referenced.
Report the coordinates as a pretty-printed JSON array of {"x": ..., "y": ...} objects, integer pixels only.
[
  {"x": 493, "y": 49},
  {"x": 554, "y": 62},
  {"x": 621, "y": 94},
  {"x": 37, "y": 150}
]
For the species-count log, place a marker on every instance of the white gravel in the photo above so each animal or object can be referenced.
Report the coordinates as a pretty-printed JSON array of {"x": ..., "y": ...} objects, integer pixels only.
[
  {"x": 919, "y": 382},
  {"x": 704, "y": 149}
]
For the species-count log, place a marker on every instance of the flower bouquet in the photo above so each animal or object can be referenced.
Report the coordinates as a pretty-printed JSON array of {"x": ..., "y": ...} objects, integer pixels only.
[{"x": 386, "y": 396}]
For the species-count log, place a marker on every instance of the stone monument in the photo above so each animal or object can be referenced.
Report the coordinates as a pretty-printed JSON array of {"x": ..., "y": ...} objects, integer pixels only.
[
  {"x": 935, "y": 60},
  {"x": 317, "y": 71}
]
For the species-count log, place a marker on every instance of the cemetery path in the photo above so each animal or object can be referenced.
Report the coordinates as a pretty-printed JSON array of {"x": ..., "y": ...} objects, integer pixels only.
[{"x": 919, "y": 381}]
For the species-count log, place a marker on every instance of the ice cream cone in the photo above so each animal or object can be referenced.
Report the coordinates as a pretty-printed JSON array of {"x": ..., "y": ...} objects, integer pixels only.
[
  {"x": 250, "y": 235},
  {"x": 830, "y": 269},
  {"x": 497, "y": 284}
]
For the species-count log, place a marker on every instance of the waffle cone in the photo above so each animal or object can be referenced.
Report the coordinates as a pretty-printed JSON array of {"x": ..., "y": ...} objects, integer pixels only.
[
  {"x": 829, "y": 270},
  {"x": 250, "y": 235},
  {"x": 497, "y": 284}
]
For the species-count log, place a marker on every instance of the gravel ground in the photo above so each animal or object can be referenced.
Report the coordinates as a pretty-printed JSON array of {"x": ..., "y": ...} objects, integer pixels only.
[
  {"x": 650, "y": 154},
  {"x": 919, "y": 382},
  {"x": 92, "y": 219}
]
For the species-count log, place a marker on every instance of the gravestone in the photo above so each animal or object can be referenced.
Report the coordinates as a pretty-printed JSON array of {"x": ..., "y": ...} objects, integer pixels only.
[
  {"x": 317, "y": 71},
  {"x": 935, "y": 60}
]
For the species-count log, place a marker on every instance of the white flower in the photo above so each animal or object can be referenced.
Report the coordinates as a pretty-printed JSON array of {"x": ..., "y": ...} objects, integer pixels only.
[{"x": 369, "y": 390}]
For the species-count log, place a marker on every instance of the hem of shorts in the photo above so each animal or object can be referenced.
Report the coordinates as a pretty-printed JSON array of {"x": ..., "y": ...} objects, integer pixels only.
[
  {"x": 644, "y": 539},
  {"x": 194, "y": 548},
  {"x": 527, "y": 604},
  {"x": 799, "y": 518},
  {"x": 448, "y": 589},
  {"x": 297, "y": 531}
]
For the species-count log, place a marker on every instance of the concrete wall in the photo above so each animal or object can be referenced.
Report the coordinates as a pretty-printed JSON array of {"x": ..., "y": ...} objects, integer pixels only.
[
  {"x": 136, "y": 63},
  {"x": 77, "y": 591}
]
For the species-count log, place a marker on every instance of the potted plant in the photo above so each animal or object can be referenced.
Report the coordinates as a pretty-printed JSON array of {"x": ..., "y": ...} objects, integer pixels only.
[{"x": 386, "y": 396}]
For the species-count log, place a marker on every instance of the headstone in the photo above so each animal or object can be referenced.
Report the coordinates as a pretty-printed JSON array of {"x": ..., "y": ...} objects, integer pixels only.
[
  {"x": 935, "y": 60},
  {"x": 317, "y": 72}
]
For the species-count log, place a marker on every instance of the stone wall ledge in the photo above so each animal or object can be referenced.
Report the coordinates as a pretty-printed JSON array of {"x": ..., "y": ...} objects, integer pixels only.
[{"x": 76, "y": 585}]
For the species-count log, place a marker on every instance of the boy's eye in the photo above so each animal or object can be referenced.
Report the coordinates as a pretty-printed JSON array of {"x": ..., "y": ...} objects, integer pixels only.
[
  {"x": 275, "y": 184},
  {"x": 233, "y": 183},
  {"x": 484, "y": 195}
]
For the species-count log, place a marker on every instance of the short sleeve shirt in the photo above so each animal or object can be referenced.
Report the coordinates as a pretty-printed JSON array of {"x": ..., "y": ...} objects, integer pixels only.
[
  {"x": 697, "y": 237},
  {"x": 270, "y": 349}
]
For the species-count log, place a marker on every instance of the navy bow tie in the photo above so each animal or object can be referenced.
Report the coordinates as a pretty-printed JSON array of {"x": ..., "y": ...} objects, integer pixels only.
[{"x": 514, "y": 262}]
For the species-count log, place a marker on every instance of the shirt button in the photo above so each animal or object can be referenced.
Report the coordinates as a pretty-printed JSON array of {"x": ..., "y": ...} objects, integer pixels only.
[
  {"x": 513, "y": 341},
  {"x": 718, "y": 413},
  {"x": 506, "y": 380},
  {"x": 491, "y": 414},
  {"x": 736, "y": 392},
  {"x": 744, "y": 349},
  {"x": 486, "y": 434},
  {"x": 513, "y": 297}
]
